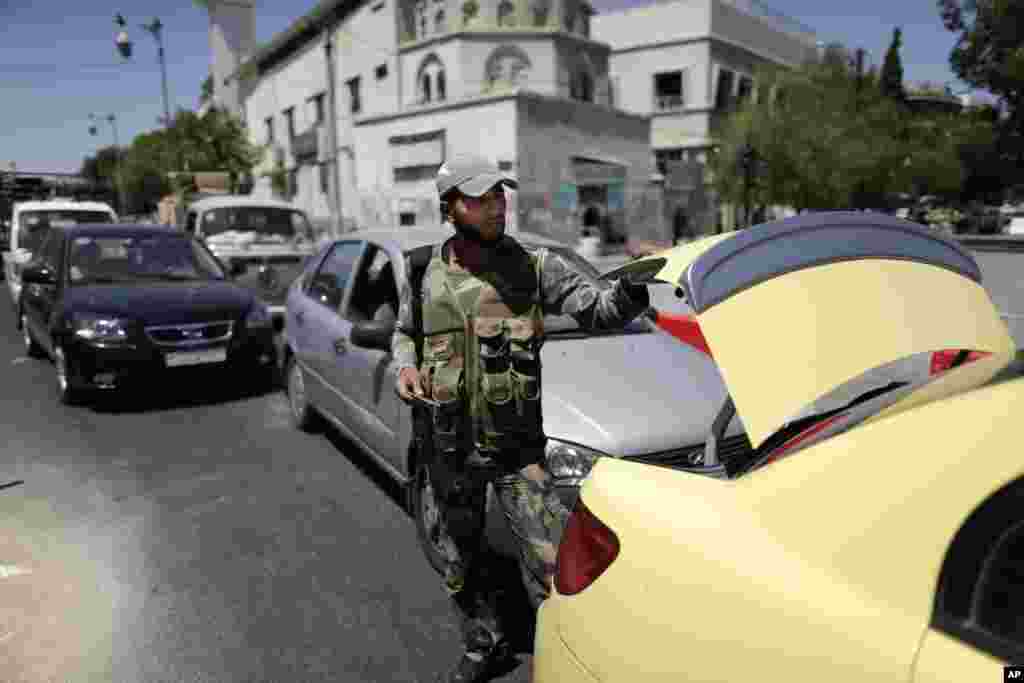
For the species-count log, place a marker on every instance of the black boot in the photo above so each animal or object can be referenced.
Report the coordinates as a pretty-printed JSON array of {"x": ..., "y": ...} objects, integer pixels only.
[{"x": 471, "y": 668}]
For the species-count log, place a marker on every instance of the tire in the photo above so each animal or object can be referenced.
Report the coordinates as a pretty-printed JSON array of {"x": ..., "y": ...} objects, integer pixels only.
[
  {"x": 426, "y": 514},
  {"x": 304, "y": 415},
  {"x": 68, "y": 394},
  {"x": 32, "y": 347}
]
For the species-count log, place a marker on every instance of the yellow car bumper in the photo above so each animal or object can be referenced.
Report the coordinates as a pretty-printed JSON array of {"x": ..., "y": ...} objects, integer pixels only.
[{"x": 553, "y": 661}]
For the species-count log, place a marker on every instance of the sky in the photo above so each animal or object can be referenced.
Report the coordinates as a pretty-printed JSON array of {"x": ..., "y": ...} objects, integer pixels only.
[{"x": 58, "y": 62}]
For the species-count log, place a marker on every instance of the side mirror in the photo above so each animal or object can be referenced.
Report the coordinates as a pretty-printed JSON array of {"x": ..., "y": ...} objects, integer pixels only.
[
  {"x": 373, "y": 334},
  {"x": 237, "y": 268},
  {"x": 38, "y": 274}
]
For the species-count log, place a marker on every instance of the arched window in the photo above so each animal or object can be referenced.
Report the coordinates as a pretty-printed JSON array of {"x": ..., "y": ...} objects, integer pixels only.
[
  {"x": 431, "y": 80},
  {"x": 506, "y": 13},
  {"x": 581, "y": 87},
  {"x": 508, "y": 65}
]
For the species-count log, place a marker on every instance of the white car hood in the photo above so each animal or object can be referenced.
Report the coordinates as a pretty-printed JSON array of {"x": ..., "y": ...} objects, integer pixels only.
[{"x": 657, "y": 394}]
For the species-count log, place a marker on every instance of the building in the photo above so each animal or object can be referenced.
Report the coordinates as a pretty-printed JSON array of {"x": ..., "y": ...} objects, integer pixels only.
[
  {"x": 415, "y": 82},
  {"x": 686, "y": 64}
]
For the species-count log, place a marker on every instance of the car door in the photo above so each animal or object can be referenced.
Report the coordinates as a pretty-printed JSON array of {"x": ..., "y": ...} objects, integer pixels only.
[
  {"x": 327, "y": 332},
  {"x": 41, "y": 300},
  {"x": 369, "y": 374}
]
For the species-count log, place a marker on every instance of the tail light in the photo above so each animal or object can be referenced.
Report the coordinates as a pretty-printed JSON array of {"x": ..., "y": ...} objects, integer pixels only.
[
  {"x": 588, "y": 547},
  {"x": 948, "y": 359},
  {"x": 684, "y": 328}
]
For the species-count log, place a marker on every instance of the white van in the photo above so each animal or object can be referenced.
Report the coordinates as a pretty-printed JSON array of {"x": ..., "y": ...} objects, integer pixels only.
[{"x": 30, "y": 222}]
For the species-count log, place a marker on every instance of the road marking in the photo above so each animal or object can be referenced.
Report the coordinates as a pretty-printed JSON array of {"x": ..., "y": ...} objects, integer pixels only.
[{"x": 9, "y": 570}]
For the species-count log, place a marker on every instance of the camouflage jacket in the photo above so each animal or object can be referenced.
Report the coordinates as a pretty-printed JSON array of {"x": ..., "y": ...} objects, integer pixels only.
[{"x": 564, "y": 291}]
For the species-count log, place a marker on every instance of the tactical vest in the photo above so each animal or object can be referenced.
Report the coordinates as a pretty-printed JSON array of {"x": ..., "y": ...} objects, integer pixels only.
[{"x": 481, "y": 352}]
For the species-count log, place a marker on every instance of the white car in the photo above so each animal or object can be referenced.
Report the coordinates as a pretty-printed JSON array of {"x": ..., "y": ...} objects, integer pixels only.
[
  {"x": 264, "y": 242},
  {"x": 31, "y": 220}
]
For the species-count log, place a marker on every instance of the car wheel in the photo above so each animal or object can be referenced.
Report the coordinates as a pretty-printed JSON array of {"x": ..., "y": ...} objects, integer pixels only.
[
  {"x": 66, "y": 392},
  {"x": 304, "y": 415},
  {"x": 32, "y": 347},
  {"x": 426, "y": 511}
]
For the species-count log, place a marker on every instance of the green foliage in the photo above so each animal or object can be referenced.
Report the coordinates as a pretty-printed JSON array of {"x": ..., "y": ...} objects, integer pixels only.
[
  {"x": 216, "y": 141},
  {"x": 206, "y": 89},
  {"x": 892, "y": 70},
  {"x": 829, "y": 142}
]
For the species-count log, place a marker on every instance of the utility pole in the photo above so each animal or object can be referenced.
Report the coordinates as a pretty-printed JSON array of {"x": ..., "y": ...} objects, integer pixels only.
[
  {"x": 124, "y": 46},
  {"x": 118, "y": 178}
]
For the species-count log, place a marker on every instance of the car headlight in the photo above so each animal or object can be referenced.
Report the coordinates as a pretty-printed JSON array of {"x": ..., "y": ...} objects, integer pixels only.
[
  {"x": 569, "y": 463},
  {"x": 258, "y": 317},
  {"x": 99, "y": 328}
]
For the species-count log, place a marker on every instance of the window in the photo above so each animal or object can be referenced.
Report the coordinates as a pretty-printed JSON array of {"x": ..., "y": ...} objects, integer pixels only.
[
  {"x": 413, "y": 174},
  {"x": 269, "y": 123},
  {"x": 289, "y": 120},
  {"x": 506, "y": 13},
  {"x": 746, "y": 88},
  {"x": 190, "y": 222},
  {"x": 508, "y": 65},
  {"x": 668, "y": 91},
  {"x": 319, "y": 113},
  {"x": 382, "y": 72},
  {"x": 568, "y": 19},
  {"x": 582, "y": 87},
  {"x": 430, "y": 79},
  {"x": 505, "y": 165},
  {"x": 374, "y": 289},
  {"x": 269, "y": 223},
  {"x": 355, "y": 104},
  {"x": 293, "y": 182},
  {"x": 406, "y": 218},
  {"x": 723, "y": 93},
  {"x": 662, "y": 158},
  {"x": 425, "y": 87},
  {"x": 328, "y": 284},
  {"x": 540, "y": 9},
  {"x": 324, "y": 177}
]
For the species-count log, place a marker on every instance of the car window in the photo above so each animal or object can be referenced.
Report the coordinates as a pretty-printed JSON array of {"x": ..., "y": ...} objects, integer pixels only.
[
  {"x": 190, "y": 222},
  {"x": 330, "y": 280},
  {"x": 375, "y": 291},
  {"x": 266, "y": 222},
  {"x": 127, "y": 258},
  {"x": 34, "y": 225}
]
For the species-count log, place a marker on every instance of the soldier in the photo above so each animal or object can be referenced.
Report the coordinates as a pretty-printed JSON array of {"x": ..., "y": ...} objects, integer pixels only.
[{"x": 483, "y": 303}]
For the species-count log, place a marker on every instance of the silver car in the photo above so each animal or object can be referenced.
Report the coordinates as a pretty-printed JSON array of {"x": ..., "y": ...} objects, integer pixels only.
[{"x": 604, "y": 392}]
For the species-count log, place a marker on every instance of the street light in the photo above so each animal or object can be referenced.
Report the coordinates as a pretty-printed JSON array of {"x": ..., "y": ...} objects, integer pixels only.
[
  {"x": 94, "y": 130},
  {"x": 124, "y": 46}
]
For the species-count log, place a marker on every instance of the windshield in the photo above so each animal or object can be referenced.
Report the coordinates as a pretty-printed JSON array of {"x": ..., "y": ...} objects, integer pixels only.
[
  {"x": 562, "y": 326},
  {"x": 267, "y": 222},
  {"x": 33, "y": 225},
  {"x": 98, "y": 260}
]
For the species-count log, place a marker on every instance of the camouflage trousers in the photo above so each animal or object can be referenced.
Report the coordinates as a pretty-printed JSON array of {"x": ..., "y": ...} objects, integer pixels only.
[{"x": 536, "y": 517}]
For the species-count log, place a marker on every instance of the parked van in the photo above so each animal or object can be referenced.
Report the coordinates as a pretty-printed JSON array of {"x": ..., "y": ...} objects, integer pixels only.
[{"x": 30, "y": 221}]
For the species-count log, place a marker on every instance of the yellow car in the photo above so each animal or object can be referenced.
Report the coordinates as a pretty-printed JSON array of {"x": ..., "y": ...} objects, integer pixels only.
[{"x": 875, "y": 529}]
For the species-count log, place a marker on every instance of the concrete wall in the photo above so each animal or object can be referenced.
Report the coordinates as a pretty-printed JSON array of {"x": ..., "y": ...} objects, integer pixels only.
[
  {"x": 232, "y": 41},
  {"x": 771, "y": 40},
  {"x": 551, "y": 133},
  {"x": 651, "y": 24},
  {"x": 634, "y": 73},
  {"x": 487, "y": 128},
  {"x": 413, "y": 61},
  {"x": 364, "y": 42}
]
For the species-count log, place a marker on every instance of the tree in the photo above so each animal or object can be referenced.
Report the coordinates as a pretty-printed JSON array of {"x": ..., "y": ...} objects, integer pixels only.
[
  {"x": 825, "y": 144},
  {"x": 206, "y": 89},
  {"x": 989, "y": 54},
  {"x": 102, "y": 167},
  {"x": 892, "y": 70}
]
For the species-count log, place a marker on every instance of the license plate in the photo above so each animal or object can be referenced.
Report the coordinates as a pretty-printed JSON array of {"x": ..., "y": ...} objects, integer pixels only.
[{"x": 196, "y": 357}]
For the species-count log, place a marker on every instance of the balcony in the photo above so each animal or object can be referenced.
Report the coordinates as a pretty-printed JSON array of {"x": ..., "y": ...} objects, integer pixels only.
[{"x": 668, "y": 102}]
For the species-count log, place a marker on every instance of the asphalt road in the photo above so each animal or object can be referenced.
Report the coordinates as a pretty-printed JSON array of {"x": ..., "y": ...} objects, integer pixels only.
[{"x": 196, "y": 536}]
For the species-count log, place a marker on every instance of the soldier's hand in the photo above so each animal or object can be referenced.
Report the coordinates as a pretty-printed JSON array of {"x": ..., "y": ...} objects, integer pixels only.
[{"x": 409, "y": 383}]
